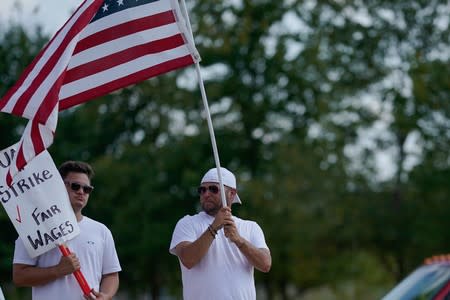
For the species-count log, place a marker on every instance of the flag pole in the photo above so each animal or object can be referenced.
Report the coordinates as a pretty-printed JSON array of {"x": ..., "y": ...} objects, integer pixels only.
[
  {"x": 206, "y": 106},
  {"x": 78, "y": 275},
  {"x": 211, "y": 133}
]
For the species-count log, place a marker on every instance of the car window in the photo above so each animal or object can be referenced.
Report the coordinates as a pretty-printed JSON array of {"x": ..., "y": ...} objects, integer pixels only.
[{"x": 423, "y": 284}]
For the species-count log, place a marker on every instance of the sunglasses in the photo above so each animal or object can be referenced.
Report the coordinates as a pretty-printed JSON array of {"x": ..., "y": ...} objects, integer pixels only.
[
  {"x": 212, "y": 189},
  {"x": 75, "y": 186}
]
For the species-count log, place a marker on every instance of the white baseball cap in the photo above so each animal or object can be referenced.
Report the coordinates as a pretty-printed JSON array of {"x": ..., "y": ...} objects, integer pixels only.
[{"x": 228, "y": 179}]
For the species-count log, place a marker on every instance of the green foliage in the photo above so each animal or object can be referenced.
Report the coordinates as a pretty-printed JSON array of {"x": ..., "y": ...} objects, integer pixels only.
[{"x": 305, "y": 96}]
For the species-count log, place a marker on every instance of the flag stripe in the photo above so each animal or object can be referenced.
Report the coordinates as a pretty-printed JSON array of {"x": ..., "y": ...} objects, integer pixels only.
[
  {"x": 125, "y": 29},
  {"x": 35, "y": 66},
  {"x": 7, "y": 98},
  {"x": 123, "y": 43},
  {"x": 125, "y": 16},
  {"x": 122, "y": 82},
  {"x": 121, "y": 71},
  {"x": 38, "y": 94},
  {"x": 21, "y": 161},
  {"x": 38, "y": 144},
  {"x": 121, "y": 57},
  {"x": 13, "y": 101},
  {"x": 49, "y": 67},
  {"x": 49, "y": 103},
  {"x": 54, "y": 68}
]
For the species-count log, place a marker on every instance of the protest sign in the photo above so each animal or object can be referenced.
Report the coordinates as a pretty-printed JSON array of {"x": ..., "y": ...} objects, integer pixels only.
[{"x": 37, "y": 203}]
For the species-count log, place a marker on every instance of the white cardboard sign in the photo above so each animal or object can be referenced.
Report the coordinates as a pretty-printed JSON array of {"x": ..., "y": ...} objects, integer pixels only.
[{"x": 37, "y": 203}]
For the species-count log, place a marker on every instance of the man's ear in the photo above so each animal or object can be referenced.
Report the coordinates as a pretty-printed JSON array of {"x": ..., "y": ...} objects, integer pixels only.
[{"x": 231, "y": 194}]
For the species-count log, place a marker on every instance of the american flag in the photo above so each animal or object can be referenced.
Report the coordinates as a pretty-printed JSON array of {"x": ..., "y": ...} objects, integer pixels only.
[{"x": 104, "y": 46}]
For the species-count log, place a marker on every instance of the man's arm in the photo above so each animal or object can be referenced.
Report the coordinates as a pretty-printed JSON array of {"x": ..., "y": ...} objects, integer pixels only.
[
  {"x": 27, "y": 275},
  {"x": 190, "y": 253},
  {"x": 108, "y": 287},
  {"x": 260, "y": 258}
]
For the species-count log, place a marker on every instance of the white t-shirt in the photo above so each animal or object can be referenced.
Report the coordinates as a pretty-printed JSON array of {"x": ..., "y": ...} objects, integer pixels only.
[
  {"x": 224, "y": 273},
  {"x": 95, "y": 249}
]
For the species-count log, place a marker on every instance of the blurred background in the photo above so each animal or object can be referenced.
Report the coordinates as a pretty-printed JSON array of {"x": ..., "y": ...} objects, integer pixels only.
[{"x": 334, "y": 116}]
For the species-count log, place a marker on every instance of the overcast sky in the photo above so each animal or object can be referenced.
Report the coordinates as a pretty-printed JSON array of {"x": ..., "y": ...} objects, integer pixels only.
[{"x": 51, "y": 16}]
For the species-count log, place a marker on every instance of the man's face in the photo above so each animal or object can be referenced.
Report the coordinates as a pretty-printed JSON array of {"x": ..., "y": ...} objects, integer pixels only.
[
  {"x": 210, "y": 197},
  {"x": 78, "y": 187}
]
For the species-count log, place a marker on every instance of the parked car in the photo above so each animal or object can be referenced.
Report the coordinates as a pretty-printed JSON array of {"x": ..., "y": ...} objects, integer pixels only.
[{"x": 430, "y": 281}]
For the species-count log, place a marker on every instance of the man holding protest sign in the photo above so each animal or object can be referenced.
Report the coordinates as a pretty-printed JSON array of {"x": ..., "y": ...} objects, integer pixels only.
[
  {"x": 215, "y": 263},
  {"x": 93, "y": 250}
]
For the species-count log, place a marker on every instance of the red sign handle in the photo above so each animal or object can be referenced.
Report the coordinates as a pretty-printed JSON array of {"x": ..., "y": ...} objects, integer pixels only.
[{"x": 78, "y": 275}]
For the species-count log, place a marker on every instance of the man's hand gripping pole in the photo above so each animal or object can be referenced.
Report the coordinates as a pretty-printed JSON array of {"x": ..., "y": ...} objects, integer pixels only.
[{"x": 78, "y": 275}]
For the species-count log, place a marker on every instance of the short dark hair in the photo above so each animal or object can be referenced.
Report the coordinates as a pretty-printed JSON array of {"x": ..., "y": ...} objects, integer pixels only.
[{"x": 76, "y": 167}]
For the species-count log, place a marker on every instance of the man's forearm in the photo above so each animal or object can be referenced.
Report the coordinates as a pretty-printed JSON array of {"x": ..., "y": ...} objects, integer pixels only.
[
  {"x": 109, "y": 284},
  {"x": 190, "y": 254},
  {"x": 259, "y": 258},
  {"x": 24, "y": 275}
]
